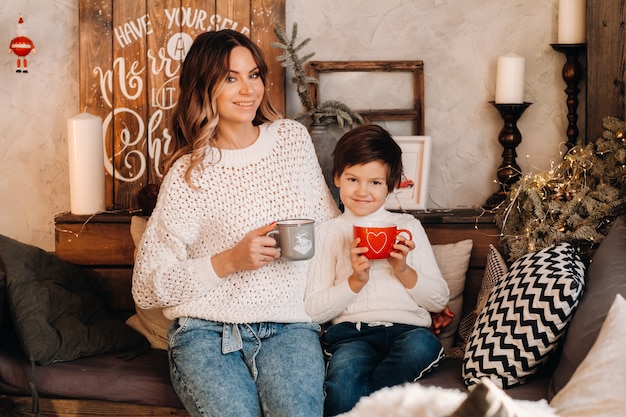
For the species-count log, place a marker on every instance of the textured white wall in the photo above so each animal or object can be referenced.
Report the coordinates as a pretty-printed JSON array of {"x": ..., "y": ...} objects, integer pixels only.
[
  {"x": 34, "y": 108},
  {"x": 459, "y": 42}
]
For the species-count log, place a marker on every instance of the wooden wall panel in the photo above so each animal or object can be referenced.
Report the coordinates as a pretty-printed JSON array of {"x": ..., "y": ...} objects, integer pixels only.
[
  {"x": 263, "y": 15},
  {"x": 165, "y": 54},
  {"x": 128, "y": 122},
  {"x": 131, "y": 53},
  {"x": 96, "y": 60},
  {"x": 235, "y": 12},
  {"x": 606, "y": 63}
]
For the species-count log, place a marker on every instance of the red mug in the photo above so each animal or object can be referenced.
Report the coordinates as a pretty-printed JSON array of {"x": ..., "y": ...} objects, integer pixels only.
[{"x": 378, "y": 238}]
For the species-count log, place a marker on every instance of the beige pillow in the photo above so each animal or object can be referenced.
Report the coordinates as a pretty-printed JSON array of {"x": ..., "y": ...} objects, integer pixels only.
[
  {"x": 597, "y": 386},
  {"x": 150, "y": 323},
  {"x": 453, "y": 260}
]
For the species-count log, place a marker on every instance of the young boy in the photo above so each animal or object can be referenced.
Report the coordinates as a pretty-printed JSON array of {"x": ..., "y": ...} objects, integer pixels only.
[{"x": 379, "y": 309}]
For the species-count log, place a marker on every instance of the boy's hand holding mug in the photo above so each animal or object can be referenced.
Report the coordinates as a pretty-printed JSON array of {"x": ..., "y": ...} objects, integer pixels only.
[{"x": 380, "y": 239}]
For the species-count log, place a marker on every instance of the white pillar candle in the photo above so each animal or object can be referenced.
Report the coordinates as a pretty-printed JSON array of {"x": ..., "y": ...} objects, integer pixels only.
[
  {"x": 86, "y": 161},
  {"x": 510, "y": 79},
  {"x": 572, "y": 26}
]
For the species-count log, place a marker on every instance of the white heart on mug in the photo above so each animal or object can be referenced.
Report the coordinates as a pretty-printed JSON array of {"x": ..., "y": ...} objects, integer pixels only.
[{"x": 377, "y": 241}]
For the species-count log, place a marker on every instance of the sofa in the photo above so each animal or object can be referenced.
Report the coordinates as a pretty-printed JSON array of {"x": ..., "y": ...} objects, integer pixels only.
[{"x": 100, "y": 364}]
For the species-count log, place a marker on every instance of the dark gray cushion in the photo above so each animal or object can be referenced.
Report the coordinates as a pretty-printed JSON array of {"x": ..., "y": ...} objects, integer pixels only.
[
  {"x": 57, "y": 313},
  {"x": 606, "y": 277}
]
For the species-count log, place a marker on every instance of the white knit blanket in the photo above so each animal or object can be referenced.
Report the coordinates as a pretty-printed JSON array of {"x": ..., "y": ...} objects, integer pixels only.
[{"x": 415, "y": 400}]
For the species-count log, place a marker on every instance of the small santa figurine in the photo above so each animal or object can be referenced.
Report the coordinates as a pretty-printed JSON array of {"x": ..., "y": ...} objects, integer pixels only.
[{"x": 21, "y": 46}]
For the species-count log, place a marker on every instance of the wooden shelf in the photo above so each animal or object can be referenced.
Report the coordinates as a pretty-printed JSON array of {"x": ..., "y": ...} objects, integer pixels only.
[
  {"x": 103, "y": 242},
  {"x": 453, "y": 216},
  {"x": 435, "y": 216}
]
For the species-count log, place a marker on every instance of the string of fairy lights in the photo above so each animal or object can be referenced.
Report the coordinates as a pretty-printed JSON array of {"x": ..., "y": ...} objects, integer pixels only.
[{"x": 575, "y": 201}]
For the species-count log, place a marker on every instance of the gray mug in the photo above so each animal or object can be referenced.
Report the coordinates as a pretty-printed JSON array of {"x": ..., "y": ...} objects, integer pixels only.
[{"x": 295, "y": 238}]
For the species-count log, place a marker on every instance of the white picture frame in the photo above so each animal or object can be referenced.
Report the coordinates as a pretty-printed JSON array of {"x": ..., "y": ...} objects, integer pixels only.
[{"x": 413, "y": 192}]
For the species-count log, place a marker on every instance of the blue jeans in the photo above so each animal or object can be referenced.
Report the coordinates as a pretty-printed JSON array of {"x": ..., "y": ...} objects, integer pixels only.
[
  {"x": 255, "y": 370},
  {"x": 363, "y": 361}
]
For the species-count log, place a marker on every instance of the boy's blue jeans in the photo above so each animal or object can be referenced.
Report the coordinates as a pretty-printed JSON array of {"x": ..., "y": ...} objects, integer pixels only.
[
  {"x": 372, "y": 357},
  {"x": 247, "y": 370}
]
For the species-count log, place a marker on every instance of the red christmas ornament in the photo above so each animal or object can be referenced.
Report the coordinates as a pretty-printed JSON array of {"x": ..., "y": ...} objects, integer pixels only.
[{"x": 21, "y": 46}]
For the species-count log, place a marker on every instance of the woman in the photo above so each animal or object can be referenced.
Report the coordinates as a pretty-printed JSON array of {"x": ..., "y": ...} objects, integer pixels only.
[{"x": 241, "y": 343}]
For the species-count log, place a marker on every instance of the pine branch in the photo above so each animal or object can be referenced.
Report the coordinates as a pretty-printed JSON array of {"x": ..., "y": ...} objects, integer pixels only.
[
  {"x": 291, "y": 59},
  {"x": 330, "y": 111}
]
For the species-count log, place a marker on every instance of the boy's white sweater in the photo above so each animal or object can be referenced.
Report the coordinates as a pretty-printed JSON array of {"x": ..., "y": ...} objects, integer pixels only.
[{"x": 384, "y": 298}]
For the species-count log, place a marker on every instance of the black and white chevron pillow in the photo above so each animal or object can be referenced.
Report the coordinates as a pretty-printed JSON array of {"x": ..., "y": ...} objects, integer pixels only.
[{"x": 525, "y": 316}]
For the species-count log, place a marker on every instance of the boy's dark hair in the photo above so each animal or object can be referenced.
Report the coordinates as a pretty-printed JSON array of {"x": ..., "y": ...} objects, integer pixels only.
[{"x": 368, "y": 143}]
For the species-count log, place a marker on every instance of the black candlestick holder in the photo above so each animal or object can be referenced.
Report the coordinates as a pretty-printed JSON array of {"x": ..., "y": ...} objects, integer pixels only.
[
  {"x": 510, "y": 137},
  {"x": 572, "y": 75}
]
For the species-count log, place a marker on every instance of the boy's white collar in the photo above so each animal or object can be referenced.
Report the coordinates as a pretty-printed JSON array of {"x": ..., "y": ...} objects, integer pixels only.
[{"x": 378, "y": 216}]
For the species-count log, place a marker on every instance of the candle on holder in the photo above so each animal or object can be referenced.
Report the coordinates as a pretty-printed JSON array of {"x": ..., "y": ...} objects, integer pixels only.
[
  {"x": 510, "y": 79},
  {"x": 86, "y": 156},
  {"x": 572, "y": 22}
]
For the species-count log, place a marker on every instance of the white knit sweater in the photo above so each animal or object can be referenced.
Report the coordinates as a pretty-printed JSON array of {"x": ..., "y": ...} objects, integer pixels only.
[
  {"x": 384, "y": 298},
  {"x": 277, "y": 177}
]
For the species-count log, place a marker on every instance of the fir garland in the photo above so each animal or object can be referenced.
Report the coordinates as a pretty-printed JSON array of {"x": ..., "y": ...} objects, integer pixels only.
[{"x": 575, "y": 202}]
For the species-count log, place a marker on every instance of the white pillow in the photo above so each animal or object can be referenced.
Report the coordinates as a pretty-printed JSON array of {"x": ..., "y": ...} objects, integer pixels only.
[
  {"x": 453, "y": 260},
  {"x": 597, "y": 386}
]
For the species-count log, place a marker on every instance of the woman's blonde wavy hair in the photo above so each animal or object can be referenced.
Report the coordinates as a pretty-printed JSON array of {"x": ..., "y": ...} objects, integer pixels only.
[{"x": 203, "y": 76}]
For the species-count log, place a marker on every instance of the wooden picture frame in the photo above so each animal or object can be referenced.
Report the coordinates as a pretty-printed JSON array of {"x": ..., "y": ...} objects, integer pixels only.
[
  {"x": 413, "y": 192},
  {"x": 412, "y": 111}
]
